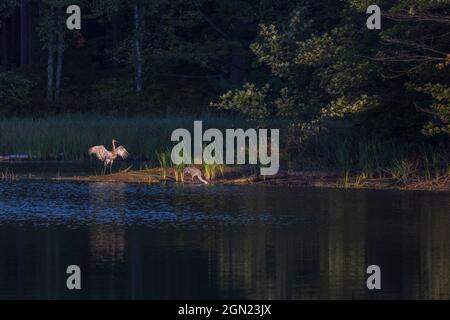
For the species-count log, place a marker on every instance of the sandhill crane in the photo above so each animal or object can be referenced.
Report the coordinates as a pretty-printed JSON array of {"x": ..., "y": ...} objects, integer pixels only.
[
  {"x": 108, "y": 157},
  {"x": 195, "y": 172}
]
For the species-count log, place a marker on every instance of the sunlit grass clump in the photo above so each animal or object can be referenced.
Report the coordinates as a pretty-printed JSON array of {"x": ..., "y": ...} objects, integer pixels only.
[
  {"x": 164, "y": 162},
  {"x": 212, "y": 170},
  {"x": 8, "y": 175}
]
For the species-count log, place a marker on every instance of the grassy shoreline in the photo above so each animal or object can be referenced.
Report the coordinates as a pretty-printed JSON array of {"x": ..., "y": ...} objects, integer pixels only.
[
  {"x": 306, "y": 179},
  {"x": 244, "y": 176},
  {"x": 355, "y": 160}
]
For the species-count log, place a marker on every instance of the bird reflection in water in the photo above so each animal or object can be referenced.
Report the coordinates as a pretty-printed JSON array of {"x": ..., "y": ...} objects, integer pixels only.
[{"x": 107, "y": 228}]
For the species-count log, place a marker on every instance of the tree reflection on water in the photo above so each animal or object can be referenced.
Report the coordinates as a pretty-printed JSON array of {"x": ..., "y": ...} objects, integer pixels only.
[{"x": 135, "y": 241}]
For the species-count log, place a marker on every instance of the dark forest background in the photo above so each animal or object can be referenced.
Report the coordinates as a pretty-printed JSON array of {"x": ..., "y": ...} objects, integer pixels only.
[{"x": 311, "y": 65}]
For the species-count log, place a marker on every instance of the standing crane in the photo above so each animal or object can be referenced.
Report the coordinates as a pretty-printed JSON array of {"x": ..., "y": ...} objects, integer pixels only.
[{"x": 108, "y": 157}]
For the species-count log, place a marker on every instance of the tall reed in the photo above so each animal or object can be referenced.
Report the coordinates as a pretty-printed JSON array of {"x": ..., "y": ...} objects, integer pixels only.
[
  {"x": 164, "y": 162},
  {"x": 178, "y": 171},
  {"x": 8, "y": 175}
]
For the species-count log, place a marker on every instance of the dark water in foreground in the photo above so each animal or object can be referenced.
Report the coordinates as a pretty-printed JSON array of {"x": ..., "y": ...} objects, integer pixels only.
[{"x": 138, "y": 241}]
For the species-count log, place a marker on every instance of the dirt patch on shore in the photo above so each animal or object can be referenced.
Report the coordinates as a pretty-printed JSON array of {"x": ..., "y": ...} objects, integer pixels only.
[{"x": 234, "y": 176}]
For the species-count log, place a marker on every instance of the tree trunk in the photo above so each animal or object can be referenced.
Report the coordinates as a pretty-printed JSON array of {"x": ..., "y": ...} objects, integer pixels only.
[
  {"x": 115, "y": 30},
  {"x": 13, "y": 45},
  {"x": 50, "y": 72},
  {"x": 34, "y": 45},
  {"x": 50, "y": 58},
  {"x": 138, "y": 46},
  {"x": 24, "y": 33},
  {"x": 60, "y": 50},
  {"x": 4, "y": 46}
]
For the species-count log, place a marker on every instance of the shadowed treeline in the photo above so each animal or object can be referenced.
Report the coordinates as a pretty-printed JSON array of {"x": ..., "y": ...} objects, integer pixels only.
[{"x": 225, "y": 242}]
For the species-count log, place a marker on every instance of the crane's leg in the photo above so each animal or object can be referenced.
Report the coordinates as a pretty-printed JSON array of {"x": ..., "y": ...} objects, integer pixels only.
[
  {"x": 110, "y": 167},
  {"x": 104, "y": 168},
  {"x": 202, "y": 180}
]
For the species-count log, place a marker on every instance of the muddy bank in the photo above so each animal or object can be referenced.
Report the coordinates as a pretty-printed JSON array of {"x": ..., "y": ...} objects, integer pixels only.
[
  {"x": 82, "y": 171},
  {"x": 300, "y": 178}
]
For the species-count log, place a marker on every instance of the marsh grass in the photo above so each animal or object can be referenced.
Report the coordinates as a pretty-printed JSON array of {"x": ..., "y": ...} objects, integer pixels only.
[
  {"x": 164, "y": 162},
  {"x": 345, "y": 180},
  {"x": 434, "y": 164},
  {"x": 403, "y": 170},
  {"x": 178, "y": 171},
  {"x": 350, "y": 155},
  {"x": 221, "y": 169},
  {"x": 8, "y": 175},
  {"x": 365, "y": 158},
  {"x": 69, "y": 137},
  {"x": 211, "y": 170},
  {"x": 360, "y": 179}
]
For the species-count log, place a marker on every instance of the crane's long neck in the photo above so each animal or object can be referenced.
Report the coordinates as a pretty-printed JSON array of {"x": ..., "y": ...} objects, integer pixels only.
[{"x": 113, "y": 146}]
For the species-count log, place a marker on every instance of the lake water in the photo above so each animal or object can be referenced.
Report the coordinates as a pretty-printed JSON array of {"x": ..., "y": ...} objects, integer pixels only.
[{"x": 252, "y": 242}]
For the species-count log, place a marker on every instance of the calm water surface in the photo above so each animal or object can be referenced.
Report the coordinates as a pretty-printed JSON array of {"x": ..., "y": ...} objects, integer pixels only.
[{"x": 253, "y": 242}]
